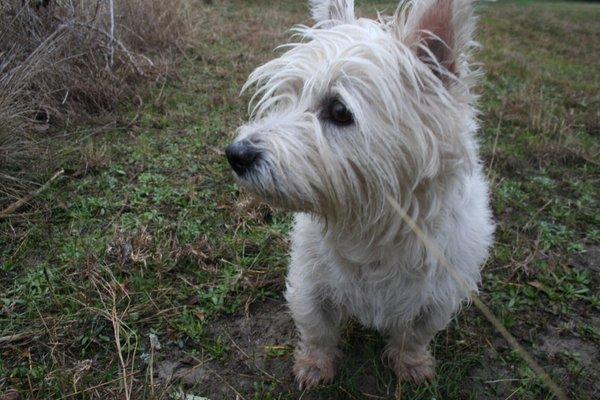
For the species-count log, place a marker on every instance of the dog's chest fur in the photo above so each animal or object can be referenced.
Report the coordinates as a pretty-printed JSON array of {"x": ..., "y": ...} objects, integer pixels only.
[
  {"x": 378, "y": 295},
  {"x": 403, "y": 279}
]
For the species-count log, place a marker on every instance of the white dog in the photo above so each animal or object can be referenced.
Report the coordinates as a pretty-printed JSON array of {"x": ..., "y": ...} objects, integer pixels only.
[{"x": 358, "y": 112}]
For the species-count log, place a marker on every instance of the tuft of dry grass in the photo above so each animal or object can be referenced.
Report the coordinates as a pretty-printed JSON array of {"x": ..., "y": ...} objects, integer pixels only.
[{"x": 64, "y": 64}]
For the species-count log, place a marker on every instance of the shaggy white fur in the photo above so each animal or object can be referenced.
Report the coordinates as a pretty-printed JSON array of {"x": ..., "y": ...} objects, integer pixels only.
[{"x": 356, "y": 110}]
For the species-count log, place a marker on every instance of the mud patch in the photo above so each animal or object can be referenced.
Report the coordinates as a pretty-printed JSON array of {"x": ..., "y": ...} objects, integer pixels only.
[
  {"x": 569, "y": 358},
  {"x": 260, "y": 344},
  {"x": 258, "y": 357},
  {"x": 584, "y": 352},
  {"x": 496, "y": 380},
  {"x": 590, "y": 259}
]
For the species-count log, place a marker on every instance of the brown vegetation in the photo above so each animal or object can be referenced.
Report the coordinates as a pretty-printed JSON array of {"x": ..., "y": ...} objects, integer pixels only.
[{"x": 65, "y": 63}]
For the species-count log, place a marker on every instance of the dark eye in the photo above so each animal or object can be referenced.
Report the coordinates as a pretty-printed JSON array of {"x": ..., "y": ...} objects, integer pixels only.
[{"x": 339, "y": 113}]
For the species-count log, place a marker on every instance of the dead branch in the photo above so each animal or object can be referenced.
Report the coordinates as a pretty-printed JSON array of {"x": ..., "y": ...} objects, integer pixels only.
[
  {"x": 116, "y": 41},
  {"x": 17, "y": 337},
  {"x": 19, "y": 203}
]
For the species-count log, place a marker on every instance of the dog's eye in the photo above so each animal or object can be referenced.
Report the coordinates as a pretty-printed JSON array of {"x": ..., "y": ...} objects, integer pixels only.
[{"x": 339, "y": 113}]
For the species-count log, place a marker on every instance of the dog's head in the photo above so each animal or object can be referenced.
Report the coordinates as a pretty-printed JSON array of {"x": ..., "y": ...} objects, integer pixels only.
[{"x": 360, "y": 108}]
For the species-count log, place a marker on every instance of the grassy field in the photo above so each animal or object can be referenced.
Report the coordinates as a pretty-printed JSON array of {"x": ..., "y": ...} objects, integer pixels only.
[{"x": 146, "y": 273}]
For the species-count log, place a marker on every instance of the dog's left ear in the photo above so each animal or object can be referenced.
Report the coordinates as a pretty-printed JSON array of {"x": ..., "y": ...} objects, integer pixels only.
[
  {"x": 332, "y": 11},
  {"x": 440, "y": 31}
]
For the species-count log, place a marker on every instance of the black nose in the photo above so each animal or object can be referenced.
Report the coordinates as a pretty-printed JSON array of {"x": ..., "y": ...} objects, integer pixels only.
[{"x": 241, "y": 156}]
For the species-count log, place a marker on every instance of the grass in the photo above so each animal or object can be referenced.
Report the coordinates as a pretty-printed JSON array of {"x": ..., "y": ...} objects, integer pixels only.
[
  {"x": 67, "y": 66},
  {"x": 149, "y": 254}
]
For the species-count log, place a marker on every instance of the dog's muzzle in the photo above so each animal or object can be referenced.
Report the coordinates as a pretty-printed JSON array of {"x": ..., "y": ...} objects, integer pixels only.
[{"x": 242, "y": 156}]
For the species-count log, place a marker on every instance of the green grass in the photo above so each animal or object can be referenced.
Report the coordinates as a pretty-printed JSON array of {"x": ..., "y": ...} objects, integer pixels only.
[{"x": 148, "y": 234}]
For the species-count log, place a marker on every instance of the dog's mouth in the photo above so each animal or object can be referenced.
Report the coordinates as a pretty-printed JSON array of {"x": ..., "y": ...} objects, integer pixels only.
[
  {"x": 267, "y": 186},
  {"x": 264, "y": 184},
  {"x": 254, "y": 170}
]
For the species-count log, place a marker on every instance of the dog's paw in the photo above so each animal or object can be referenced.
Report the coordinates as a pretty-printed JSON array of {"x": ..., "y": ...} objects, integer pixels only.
[
  {"x": 314, "y": 367},
  {"x": 417, "y": 367}
]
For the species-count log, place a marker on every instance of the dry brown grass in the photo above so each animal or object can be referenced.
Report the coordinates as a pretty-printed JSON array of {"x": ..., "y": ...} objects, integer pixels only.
[{"x": 64, "y": 64}]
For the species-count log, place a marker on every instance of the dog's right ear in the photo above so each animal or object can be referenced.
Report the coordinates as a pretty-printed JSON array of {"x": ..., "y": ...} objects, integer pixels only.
[{"x": 331, "y": 12}]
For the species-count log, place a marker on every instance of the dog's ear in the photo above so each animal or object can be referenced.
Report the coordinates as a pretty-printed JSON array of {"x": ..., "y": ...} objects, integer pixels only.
[
  {"x": 332, "y": 11},
  {"x": 440, "y": 32}
]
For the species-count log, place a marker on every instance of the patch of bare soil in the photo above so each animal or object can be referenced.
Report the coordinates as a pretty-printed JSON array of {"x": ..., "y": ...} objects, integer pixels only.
[
  {"x": 254, "y": 345},
  {"x": 497, "y": 381},
  {"x": 259, "y": 356},
  {"x": 251, "y": 339},
  {"x": 590, "y": 259},
  {"x": 568, "y": 355},
  {"x": 258, "y": 360}
]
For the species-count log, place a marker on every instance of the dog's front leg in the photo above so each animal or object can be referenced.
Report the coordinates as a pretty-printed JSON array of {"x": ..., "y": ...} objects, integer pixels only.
[
  {"x": 407, "y": 353},
  {"x": 318, "y": 322}
]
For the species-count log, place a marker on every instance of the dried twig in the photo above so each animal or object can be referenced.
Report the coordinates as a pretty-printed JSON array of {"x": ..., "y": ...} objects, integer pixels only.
[
  {"x": 22, "y": 201},
  {"x": 17, "y": 337},
  {"x": 108, "y": 292},
  {"x": 112, "y": 32},
  {"x": 77, "y": 393},
  {"x": 116, "y": 41}
]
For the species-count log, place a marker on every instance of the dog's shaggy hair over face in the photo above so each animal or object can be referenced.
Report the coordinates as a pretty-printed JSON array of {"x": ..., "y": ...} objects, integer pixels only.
[{"x": 355, "y": 112}]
